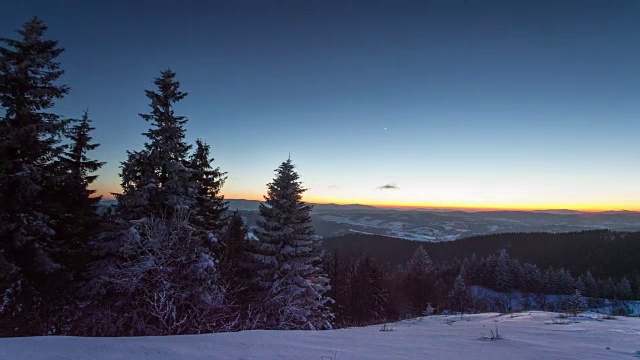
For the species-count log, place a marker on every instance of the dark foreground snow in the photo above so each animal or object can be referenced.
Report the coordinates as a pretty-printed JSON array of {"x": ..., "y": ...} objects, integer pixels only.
[{"x": 530, "y": 335}]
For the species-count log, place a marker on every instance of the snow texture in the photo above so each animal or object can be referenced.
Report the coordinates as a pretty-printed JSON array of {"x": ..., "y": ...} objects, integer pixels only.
[{"x": 530, "y": 335}]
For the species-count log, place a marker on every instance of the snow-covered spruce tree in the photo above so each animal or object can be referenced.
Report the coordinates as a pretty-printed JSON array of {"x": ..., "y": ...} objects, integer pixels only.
[
  {"x": 503, "y": 275},
  {"x": 158, "y": 273},
  {"x": 29, "y": 179},
  {"x": 473, "y": 270},
  {"x": 80, "y": 207},
  {"x": 78, "y": 219},
  {"x": 624, "y": 290},
  {"x": 236, "y": 265},
  {"x": 567, "y": 284},
  {"x": 211, "y": 207},
  {"x": 79, "y": 166},
  {"x": 460, "y": 295},
  {"x": 157, "y": 180},
  {"x": 590, "y": 285},
  {"x": 235, "y": 248},
  {"x": 364, "y": 296},
  {"x": 531, "y": 279},
  {"x": 289, "y": 254},
  {"x": 576, "y": 303},
  {"x": 419, "y": 281}
]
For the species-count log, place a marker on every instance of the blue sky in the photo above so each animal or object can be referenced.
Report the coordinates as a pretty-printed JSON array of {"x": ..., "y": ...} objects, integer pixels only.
[{"x": 456, "y": 103}]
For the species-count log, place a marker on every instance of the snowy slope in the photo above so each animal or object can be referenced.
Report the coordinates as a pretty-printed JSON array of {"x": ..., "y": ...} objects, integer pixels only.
[{"x": 531, "y": 335}]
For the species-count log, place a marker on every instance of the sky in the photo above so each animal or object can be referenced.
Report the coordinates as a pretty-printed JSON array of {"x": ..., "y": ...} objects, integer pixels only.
[{"x": 450, "y": 104}]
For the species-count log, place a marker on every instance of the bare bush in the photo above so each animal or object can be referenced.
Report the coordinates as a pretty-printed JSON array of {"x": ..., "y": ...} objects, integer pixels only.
[
  {"x": 493, "y": 335},
  {"x": 164, "y": 282},
  {"x": 386, "y": 328}
]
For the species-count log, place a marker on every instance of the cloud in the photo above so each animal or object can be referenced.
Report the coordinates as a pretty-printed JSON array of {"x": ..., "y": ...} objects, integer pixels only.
[
  {"x": 390, "y": 186},
  {"x": 333, "y": 186}
]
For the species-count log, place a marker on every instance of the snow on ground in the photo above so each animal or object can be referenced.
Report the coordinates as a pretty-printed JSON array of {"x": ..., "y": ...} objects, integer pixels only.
[
  {"x": 517, "y": 299},
  {"x": 530, "y": 335}
]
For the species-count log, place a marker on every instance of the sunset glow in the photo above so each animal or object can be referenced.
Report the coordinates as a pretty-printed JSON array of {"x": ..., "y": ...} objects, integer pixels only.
[{"x": 505, "y": 116}]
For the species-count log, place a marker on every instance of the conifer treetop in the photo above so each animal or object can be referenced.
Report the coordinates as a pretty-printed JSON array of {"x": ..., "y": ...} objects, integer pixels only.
[
  {"x": 286, "y": 189},
  {"x": 28, "y": 75},
  {"x": 75, "y": 157},
  {"x": 167, "y": 131},
  {"x": 420, "y": 261},
  {"x": 29, "y": 64}
]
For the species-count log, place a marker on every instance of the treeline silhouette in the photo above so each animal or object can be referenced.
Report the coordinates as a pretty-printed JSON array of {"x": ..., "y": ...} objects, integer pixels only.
[
  {"x": 371, "y": 289},
  {"x": 602, "y": 252}
]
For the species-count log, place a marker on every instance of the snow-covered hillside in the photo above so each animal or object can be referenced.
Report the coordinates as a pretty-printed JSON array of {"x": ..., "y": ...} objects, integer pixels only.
[
  {"x": 530, "y": 335},
  {"x": 432, "y": 225}
]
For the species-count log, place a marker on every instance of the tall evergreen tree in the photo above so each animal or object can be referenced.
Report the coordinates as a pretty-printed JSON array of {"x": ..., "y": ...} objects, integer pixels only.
[
  {"x": 157, "y": 180},
  {"x": 503, "y": 275},
  {"x": 290, "y": 257},
  {"x": 79, "y": 220},
  {"x": 210, "y": 203},
  {"x": 364, "y": 296},
  {"x": 81, "y": 207},
  {"x": 79, "y": 165},
  {"x": 460, "y": 295},
  {"x": 29, "y": 178},
  {"x": 590, "y": 285},
  {"x": 532, "y": 278},
  {"x": 158, "y": 274},
  {"x": 624, "y": 290},
  {"x": 420, "y": 262},
  {"x": 235, "y": 249},
  {"x": 419, "y": 281}
]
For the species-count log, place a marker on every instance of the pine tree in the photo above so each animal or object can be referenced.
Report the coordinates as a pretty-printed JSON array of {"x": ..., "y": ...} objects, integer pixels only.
[
  {"x": 551, "y": 282},
  {"x": 419, "y": 280},
  {"x": 473, "y": 270},
  {"x": 532, "y": 278},
  {"x": 488, "y": 271},
  {"x": 576, "y": 303},
  {"x": 420, "y": 262},
  {"x": 590, "y": 285},
  {"x": 515, "y": 272},
  {"x": 379, "y": 292},
  {"x": 80, "y": 207},
  {"x": 290, "y": 257},
  {"x": 78, "y": 221},
  {"x": 78, "y": 164},
  {"x": 29, "y": 176},
  {"x": 566, "y": 282},
  {"x": 234, "y": 246},
  {"x": 607, "y": 288},
  {"x": 503, "y": 279},
  {"x": 579, "y": 284},
  {"x": 460, "y": 295},
  {"x": 158, "y": 180},
  {"x": 210, "y": 203},
  {"x": 366, "y": 294},
  {"x": 624, "y": 290},
  {"x": 158, "y": 273}
]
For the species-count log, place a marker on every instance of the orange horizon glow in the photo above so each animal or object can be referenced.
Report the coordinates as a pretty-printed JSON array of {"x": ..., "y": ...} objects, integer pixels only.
[
  {"x": 470, "y": 206},
  {"x": 445, "y": 206},
  {"x": 487, "y": 207}
]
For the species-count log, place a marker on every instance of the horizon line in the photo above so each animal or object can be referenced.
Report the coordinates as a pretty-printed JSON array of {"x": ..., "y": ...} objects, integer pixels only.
[{"x": 450, "y": 208}]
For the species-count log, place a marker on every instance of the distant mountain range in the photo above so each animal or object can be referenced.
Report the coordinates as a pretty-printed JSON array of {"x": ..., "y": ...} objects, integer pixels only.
[{"x": 443, "y": 225}]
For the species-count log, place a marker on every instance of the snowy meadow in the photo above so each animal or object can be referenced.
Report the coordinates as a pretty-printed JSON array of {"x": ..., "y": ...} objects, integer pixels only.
[{"x": 527, "y": 335}]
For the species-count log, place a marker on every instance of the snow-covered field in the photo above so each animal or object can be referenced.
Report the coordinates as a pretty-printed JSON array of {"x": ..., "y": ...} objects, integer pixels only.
[{"x": 529, "y": 335}]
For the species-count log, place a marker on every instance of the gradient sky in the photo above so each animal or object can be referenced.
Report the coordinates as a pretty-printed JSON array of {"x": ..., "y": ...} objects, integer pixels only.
[{"x": 484, "y": 104}]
